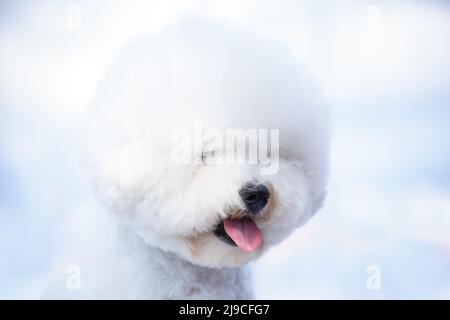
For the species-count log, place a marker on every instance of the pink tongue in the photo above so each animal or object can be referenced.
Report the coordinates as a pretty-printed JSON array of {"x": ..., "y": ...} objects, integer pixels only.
[{"x": 244, "y": 233}]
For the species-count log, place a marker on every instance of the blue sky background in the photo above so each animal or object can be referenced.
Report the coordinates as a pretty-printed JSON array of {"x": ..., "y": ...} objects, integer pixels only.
[{"x": 385, "y": 67}]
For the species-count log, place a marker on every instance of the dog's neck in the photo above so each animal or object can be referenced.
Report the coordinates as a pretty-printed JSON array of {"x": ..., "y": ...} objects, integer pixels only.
[{"x": 154, "y": 273}]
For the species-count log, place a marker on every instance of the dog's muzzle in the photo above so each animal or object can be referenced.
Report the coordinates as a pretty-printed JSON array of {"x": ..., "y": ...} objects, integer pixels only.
[{"x": 239, "y": 229}]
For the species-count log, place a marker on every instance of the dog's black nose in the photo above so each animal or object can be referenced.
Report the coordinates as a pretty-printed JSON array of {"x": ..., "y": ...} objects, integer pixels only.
[{"x": 255, "y": 196}]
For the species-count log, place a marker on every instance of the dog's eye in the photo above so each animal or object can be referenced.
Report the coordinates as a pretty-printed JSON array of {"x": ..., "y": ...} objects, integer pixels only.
[{"x": 207, "y": 155}]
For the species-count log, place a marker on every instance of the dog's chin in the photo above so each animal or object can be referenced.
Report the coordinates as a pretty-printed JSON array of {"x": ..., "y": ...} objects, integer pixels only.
[
  {"x": 233, "y": 242},
  {"x": 209, "y": 251}
]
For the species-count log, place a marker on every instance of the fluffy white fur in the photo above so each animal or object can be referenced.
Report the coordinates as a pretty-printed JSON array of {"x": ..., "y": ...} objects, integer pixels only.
[{"x": 224, "y": 77}]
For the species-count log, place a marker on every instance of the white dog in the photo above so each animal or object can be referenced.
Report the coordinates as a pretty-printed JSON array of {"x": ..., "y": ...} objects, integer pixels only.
[{"x": 190, "y": 221}]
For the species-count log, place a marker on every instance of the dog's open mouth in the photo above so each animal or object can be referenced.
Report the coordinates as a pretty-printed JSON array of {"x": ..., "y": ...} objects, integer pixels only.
[{"x": 241, "y": 232}]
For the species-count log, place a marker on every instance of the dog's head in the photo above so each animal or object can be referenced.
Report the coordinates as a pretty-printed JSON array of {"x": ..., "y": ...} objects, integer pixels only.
[{"x": 210, "y": 142}]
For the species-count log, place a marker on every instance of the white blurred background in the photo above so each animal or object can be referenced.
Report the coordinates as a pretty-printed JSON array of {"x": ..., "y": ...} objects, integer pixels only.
[{"x": 385, "y": 67}]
